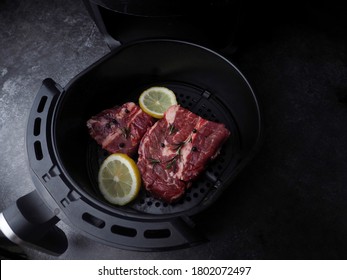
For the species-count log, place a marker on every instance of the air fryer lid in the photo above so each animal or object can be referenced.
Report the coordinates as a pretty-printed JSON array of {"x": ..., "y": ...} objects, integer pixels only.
[
  {"x": 161, "y": 8},
  {"x": 211, "y": 23},
  {"x": 65, "y": 160}
]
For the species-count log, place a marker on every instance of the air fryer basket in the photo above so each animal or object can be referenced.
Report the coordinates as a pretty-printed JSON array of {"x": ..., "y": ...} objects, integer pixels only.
[
  {"x": 203, "y": 103},
  {"x": 202, "y": 83},
  {"x": 65, "y": 160}
]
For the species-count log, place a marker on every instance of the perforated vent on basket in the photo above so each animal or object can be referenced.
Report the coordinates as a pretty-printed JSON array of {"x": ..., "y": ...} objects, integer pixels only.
[{"x": 206, "y": 105}]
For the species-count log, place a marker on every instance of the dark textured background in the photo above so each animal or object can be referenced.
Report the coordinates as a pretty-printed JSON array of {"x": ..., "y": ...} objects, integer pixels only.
[{"x": 289, "y": 202}]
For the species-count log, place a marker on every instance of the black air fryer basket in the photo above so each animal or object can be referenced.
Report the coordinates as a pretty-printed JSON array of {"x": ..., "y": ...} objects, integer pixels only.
[{"x": 64, "y": 160}]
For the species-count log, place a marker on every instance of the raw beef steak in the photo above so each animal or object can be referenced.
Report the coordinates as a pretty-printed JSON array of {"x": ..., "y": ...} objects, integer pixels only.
[
  {"x": 120, "y": 129},
  {"x": 175, "y": 150}
]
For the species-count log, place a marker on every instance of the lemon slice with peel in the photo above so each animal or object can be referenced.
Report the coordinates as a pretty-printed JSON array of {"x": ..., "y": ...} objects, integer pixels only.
[
  {"x": 156, "y": 100},
  {"x": 119, "y": 179}
]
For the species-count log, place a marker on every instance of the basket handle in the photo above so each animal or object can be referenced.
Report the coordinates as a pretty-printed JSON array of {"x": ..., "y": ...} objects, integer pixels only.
[{"x": 30, "y": 222}]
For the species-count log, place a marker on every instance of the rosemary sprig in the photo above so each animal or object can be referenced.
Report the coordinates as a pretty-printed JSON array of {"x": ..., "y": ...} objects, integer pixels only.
[
  {"x": 154, "y": 161},
  {"x": 178, "y": 147},
  {"x": 171, "y": 162},
  {"x": 172, "y": 129}
]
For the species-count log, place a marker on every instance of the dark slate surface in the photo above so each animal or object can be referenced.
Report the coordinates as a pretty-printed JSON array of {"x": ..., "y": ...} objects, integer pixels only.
[{"x": 288, "y": 203}]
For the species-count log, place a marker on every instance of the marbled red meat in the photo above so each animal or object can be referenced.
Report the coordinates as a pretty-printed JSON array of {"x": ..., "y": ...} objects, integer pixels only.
[
  {"x": 120, "y": 129},
  {"x": 176, "y": 150}
]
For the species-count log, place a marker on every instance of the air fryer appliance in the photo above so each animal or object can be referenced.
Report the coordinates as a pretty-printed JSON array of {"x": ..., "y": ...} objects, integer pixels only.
[{"x": 152, "y": 43}]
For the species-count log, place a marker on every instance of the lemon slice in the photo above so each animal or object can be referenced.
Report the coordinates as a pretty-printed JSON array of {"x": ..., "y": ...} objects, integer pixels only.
[
  {"x": 156, "y": 100},
  {"x": 119, "y": 179}
]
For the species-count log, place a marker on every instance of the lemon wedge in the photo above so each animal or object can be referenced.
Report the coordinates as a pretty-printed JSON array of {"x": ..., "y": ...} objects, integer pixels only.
[
  {"x": 119, "y": 179},
  {"x": 156, "y": 100}
]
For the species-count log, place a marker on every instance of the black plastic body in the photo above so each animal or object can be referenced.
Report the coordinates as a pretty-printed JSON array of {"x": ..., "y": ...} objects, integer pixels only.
[
  {"x": 154, "y": 42},
  {"x": 75, "y": 207},
  {"x": 210, "y": 23},
  {"x": 62, "y": 155},
  {"x": 157, "y": 8}
]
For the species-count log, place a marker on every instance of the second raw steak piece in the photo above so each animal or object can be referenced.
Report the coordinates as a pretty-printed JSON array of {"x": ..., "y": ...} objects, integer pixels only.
[{"x": 176, "y": 150}]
